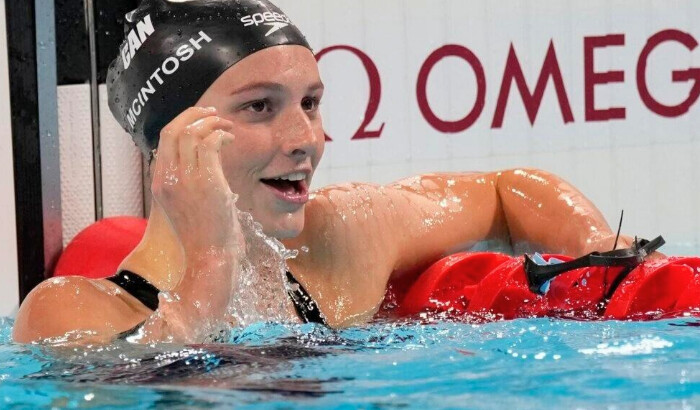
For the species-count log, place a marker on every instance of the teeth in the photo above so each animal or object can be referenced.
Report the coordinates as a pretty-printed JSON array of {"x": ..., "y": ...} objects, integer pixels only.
[{"x": 293, "y": 177}]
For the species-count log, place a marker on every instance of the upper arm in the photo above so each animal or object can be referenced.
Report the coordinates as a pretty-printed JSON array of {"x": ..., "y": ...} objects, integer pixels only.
[
  {"x": 447, "y": 213},
  {"x": 74, "y": 310},
  {"x": 543, "y": 210}
]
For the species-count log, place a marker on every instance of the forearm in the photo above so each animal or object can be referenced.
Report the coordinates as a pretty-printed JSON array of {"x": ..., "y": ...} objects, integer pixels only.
[{"x": 548, "y": 213}]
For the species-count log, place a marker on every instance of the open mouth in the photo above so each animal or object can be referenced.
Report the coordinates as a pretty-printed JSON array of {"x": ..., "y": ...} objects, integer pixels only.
[
  {"x": 283, "y": 186},
  {"x": 291, "y": 188}
]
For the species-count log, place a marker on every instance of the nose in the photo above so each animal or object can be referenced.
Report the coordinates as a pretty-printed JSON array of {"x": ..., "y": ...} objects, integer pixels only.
[{"x": 299, "y": 138}]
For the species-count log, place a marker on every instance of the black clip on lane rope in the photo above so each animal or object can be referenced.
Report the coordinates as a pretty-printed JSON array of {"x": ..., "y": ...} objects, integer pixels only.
[{"x": 629, "y": 258}]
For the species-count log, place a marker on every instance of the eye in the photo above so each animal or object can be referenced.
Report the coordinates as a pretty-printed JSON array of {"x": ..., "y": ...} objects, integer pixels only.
[
  {"x": 310, "y": 103},
  {"x": 259, "y": 106}
]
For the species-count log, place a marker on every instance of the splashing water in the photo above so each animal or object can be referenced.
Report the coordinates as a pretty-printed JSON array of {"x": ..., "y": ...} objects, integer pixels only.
[{"x": 259, "y": 292}]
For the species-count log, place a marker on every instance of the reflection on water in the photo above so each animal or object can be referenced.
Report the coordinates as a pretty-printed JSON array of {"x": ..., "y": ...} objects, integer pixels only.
[{"x": 220, "y": 366}]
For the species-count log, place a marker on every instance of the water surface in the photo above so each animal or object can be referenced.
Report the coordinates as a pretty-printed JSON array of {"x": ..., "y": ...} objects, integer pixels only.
[{"x": 527, "y": 363}]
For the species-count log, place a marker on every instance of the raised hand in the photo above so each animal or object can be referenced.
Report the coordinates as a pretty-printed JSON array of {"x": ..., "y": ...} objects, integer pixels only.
[
  {"x": 190, "y": 187},
  {"x": 189, "y": 184}
]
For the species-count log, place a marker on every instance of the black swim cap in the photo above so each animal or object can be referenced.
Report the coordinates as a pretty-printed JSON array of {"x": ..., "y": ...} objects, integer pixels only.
[{"x": 174, "y": 50}]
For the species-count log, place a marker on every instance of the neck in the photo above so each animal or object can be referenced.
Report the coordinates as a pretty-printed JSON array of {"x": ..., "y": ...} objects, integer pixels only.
[{"x": 158, "y": 257}]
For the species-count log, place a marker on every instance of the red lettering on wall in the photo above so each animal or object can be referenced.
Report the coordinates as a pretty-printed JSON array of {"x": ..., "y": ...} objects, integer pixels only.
[
  {"x": 691, "y": 74},
  {"x": 375, "y": 91},
  {"x": 532, "y": 101},
  {"x": 592, "y": 78},
  {"x": 422, "y": 89}
]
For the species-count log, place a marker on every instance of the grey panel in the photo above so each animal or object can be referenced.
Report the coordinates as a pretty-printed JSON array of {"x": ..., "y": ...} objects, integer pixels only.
[{"x": 48, "y": 130}]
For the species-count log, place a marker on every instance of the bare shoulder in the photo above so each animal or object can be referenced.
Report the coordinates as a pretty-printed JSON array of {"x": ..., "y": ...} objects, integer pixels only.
[
  {"x": 72, "y": 307},
  {"x": 347, "y": 251},
  {"x": 344, "y": 221}
]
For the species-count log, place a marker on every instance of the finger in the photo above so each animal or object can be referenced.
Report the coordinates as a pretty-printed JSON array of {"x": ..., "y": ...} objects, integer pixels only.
[
  {"x": 166, "y": 155},
  {"x": 196, "y": 132},
  {"x": 205, "y": 126},
  {"x": 169, "y": 144},
  {"x": 186, "y": 118},
  {"x": 208, "y": 151},
  {"x": 188, "y": 142},
  {"x": 209, "y": 156},
  {"x": 161, "y": 156}
]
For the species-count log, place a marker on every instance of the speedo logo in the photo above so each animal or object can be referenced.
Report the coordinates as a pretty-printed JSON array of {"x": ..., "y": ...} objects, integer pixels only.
[
  {"x": 276, "y": 21},
  {"x": 136, "y": 38}
]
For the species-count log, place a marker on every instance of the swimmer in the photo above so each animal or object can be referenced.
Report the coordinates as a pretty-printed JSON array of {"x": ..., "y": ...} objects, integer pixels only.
[{"x": 226, "y": 94}]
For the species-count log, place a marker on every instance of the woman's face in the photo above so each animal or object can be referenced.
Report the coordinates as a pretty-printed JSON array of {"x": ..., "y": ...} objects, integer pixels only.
[{"x": 272, "y": 98}]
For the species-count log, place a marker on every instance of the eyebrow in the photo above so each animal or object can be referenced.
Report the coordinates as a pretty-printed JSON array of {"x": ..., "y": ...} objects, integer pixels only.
[
  {"x": 272, "y": 87},
  {"x": 317, "y": 86}
]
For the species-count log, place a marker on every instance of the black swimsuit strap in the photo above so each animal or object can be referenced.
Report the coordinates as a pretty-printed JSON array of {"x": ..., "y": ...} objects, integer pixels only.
[
  {"x": 306, "y": 307},
  {"x": 137, "y": 287},
  {"x": 146, "y": 293}
]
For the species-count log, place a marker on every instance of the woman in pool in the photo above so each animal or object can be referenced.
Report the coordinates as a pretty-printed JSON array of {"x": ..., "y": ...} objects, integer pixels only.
[{"x": 254, "y": 129}]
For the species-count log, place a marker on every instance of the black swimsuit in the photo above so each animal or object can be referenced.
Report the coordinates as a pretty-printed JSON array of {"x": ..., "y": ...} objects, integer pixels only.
[
  {"x": 146, "y": 293},
  {"x": 306, "y": 307},
  {"x": 137, "y": 287}
]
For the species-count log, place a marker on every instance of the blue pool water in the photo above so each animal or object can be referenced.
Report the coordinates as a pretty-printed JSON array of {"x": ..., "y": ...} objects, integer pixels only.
[{"x": 533, "y": 363}]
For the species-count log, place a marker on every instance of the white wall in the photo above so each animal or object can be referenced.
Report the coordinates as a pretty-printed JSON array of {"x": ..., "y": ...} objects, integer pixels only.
[
  {"x": 9, "y": 291},
  {"x": 644, "y": 163},
  {"x": 121, "y": 162}
]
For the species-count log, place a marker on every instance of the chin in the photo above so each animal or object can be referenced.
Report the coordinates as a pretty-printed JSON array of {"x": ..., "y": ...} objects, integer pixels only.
[
  {"x": 283, "y": 233},
  {"x": 285, "y": 226},
  {"x": 288, "y": 234}
]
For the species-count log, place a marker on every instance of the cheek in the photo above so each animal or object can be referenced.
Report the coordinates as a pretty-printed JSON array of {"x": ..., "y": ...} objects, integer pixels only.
[
  {"x": 247, "y": 146},
  {"x": 321, "y": 143},
  {"x": 245, "y": 157},
  {"x": 235, "y": 163}
]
